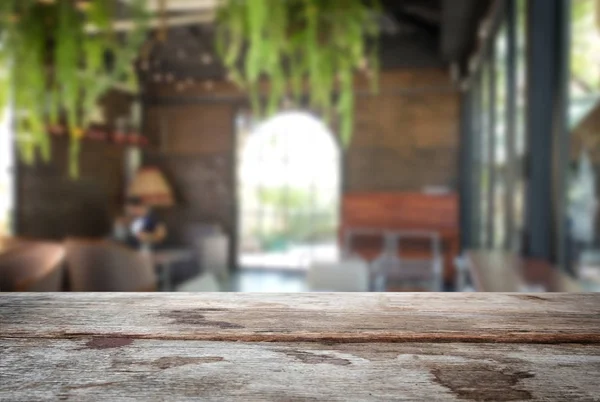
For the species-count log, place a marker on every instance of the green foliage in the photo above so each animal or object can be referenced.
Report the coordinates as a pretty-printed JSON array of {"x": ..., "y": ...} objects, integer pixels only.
[
  {"x": 54, "y": 69},
  {"x": 284, "y": 197},
  {"x": 585, "y": 47},
  {"x": 299, "y": 45},
  {"x": 302, "y": 218}
]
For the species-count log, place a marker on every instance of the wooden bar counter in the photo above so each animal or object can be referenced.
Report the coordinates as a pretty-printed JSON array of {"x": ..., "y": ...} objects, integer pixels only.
[{"x": 300, "y": 347}]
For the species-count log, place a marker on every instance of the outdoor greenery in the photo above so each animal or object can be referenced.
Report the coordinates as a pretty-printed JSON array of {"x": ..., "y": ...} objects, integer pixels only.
[
  {"x": 310, "y": 46},
  {"x": 585, "y": 53},
  {"x": 300, "y": 220},
  {"x": 300, "y": 229},
  {"x": 57, "y": 58},
  {"x": 284, "y": 197}
]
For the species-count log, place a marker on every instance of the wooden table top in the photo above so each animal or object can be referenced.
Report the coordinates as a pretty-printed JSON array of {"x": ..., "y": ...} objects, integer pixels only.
[
  {"x": 300, "y": 347},
  {"x": 500, "y": 271}
]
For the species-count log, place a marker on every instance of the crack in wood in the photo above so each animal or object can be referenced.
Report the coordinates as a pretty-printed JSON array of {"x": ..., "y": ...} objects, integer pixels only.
[
  {"x": 336, "y": 338},
  {"x": 533, "y": 297}
]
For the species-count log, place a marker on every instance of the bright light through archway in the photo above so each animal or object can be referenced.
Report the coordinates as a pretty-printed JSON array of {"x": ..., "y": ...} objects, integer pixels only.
[{"x": 289, "y": 181}]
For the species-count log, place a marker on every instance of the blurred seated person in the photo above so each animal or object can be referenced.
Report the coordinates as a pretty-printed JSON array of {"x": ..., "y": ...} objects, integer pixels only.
[{"x": 138, "y": 228}]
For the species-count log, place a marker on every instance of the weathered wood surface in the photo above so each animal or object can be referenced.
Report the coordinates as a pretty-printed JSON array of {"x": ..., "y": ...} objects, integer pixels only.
[
  {"x": 251, "y": 347},
  {"x": 120, "y": 369},
  {"x": 375, "y": 317}
]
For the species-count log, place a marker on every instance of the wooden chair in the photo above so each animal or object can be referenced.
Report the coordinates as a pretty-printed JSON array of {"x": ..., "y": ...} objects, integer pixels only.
[
  {"x": 102, "y": 266},
  {"x": 371, "y": 243},
  {"x": 418, "y": 269},
  {"x": 401, "y": 211},
  {"x": 31, "y": 266}
]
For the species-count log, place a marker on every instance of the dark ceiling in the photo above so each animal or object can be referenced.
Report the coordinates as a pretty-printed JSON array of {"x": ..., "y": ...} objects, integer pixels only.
[{"x": 415, "y": 33}]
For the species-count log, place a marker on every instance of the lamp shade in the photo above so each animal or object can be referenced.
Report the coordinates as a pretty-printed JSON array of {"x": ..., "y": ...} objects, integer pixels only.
[{"x": 150, "y": 185}]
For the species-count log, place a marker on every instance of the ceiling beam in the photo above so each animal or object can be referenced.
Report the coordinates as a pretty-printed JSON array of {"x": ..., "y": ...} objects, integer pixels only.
[
  {"x": 203, "y": 17},
  {"x": 428, "y": 14},
  {"x": 459, "y": 24},
  {"x": 179, "y": 5}
]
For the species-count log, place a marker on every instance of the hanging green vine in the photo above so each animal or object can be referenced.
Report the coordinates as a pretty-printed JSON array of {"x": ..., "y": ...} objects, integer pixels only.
[
  {"x": 53, "y": 66},
  {"x": 300, "y": 45}
]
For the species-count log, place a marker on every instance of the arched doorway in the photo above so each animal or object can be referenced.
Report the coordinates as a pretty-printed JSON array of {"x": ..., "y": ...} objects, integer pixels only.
[{"x": 289, "y": 192}]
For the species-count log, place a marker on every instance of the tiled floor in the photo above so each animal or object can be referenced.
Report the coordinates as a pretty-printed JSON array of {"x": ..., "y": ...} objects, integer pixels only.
[
  {"x": 268, "y": 281},
  {"x": 279, "y": 281},
  {"x": 294, "y": 258}
]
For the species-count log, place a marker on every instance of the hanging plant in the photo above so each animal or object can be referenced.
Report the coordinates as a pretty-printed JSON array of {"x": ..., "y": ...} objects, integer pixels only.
[
  {"x": 53, "y": 66},
  {"x": 293, "y": 43}
]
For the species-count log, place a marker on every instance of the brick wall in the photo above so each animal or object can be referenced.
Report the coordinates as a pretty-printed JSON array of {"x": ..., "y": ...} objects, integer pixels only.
[
  {"x": 405, "y": 138},
  {"x": 193, "y": 146},
  {"x": 51, "y": 205}
]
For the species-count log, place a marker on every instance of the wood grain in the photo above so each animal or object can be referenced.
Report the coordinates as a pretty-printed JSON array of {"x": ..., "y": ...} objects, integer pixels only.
[
  {"x": 301, "y": 347},
  {"x": 311, "y": 317},
  {"x": 177, "y": 370}
]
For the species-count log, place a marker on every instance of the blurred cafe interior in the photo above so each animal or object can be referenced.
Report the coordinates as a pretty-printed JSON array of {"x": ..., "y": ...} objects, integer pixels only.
[{"x": 300, "y": 145}]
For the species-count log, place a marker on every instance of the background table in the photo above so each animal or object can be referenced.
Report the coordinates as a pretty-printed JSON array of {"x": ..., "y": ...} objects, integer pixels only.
[
  {"x": 501, "y": 271},
  {"x": 301, "y": 347}
]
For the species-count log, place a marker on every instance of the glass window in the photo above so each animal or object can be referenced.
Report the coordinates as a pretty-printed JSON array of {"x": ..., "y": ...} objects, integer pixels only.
[
  {"x": 485, "y": 172},
  {"x": 6, "y": 174},
  {"x": 500, "y": 138},
  {"x": 583, "y": 245},
  {"x": 520, "y": 184},
  {"x": 7, "y": 161},
  {"x": 476, "y": 158}
]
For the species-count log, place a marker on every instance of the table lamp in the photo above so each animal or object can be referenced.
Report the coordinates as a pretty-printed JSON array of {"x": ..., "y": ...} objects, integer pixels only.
[{"x": 150, "y": 185}]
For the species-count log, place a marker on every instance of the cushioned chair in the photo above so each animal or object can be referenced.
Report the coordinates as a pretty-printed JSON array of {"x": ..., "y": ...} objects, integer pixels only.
[
  {"x": 31, "y": 266},
  {"x": 103, "y": 266}
]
